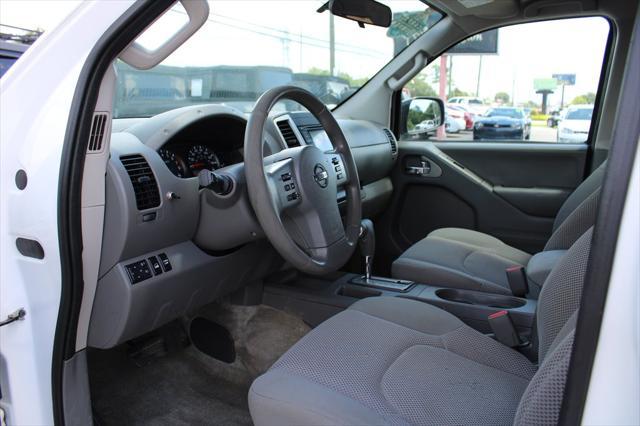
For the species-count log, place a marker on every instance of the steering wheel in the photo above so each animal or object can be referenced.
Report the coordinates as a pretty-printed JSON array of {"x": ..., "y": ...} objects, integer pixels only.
[{"x": 294, "y": 192}]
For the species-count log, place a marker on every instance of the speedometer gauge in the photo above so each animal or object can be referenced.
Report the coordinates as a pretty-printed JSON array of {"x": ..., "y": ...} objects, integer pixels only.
[
  {"x": 200, "y": 157},
  {"x": 173, "y": 162}
]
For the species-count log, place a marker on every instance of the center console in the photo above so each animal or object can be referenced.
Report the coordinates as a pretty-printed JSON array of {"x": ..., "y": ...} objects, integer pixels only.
[{"x": 316, "y": 299}]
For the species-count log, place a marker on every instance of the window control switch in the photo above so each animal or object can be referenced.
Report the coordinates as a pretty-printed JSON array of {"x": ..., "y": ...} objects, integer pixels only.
[
  {"x": 155, "y": 265},
  {"x": 166, "y": 265}
]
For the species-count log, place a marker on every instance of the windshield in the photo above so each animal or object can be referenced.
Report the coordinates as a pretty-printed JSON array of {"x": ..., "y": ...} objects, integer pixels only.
[
  {"x": 580, "y": 114},
  {"x": 505, "y": 112},
  {"x": 248, "y": 47}
]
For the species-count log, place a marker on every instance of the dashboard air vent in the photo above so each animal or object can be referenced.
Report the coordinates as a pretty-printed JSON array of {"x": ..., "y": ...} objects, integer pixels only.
[
  {"x": 287, "y": 133},
  {"x": 392, "y": 142},
  {"x": 98, "y": 128},
  {"x": 143, "y": 181}
]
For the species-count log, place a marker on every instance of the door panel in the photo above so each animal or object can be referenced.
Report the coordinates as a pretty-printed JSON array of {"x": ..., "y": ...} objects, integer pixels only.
[
  {"x": 511, "y": 191},
  {"x": 524, "y": 165}
]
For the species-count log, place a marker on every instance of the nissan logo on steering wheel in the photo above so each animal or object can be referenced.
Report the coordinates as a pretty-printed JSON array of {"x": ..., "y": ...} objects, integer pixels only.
[{"x": 321, "y": 176}]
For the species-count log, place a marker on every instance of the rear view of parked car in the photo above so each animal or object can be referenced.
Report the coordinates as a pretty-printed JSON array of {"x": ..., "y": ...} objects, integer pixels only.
[
  {"x": 553, "y": 119},
  {"x": 455, "y": 120},
  {"x": 574, "y": 126},
  {"x": 465, "y": 113},
  {"x": 502, "y": 123}
]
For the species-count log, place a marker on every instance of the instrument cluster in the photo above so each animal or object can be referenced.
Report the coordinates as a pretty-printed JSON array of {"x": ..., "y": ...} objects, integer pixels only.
[{"x": 189, "y": 159}]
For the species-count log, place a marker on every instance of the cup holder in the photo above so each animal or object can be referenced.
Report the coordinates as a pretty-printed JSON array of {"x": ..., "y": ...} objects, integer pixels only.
[
  {"x": 471, "y": 297},
  {"x": 358, "y": 292}
]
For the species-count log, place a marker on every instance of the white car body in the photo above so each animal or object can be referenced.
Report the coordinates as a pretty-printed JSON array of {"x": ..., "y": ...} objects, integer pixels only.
[
  {"x": 34, "y": 142},
  {"x": 472, "y": 104},
  {"x": 575, "y": 130},
  {"x": 455, "y": 120},
  {"x": 451, "y": 125}
]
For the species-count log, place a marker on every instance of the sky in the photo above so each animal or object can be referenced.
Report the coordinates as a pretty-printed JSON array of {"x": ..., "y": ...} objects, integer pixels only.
[{"x": 291, "y": 34}]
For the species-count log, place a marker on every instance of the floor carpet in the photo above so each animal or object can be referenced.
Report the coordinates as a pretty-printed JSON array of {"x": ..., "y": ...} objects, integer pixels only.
[{"x": 187, "y": 387}]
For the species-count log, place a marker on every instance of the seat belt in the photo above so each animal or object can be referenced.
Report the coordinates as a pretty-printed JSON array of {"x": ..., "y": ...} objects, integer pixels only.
[
  {"x": 504, "y": 330},
  {"x": 517, "y": 279}
]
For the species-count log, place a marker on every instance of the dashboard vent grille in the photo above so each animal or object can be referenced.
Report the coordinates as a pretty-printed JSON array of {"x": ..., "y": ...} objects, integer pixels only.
[
  {"x": 392, "y": 142},
  {"x": 143, "y": 181},
  {"x": 98, "y": 128},
  {"x": 287, "y": 133}
]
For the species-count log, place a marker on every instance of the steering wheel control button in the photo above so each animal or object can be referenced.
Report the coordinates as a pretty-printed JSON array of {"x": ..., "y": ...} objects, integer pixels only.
[
  {"x": 292, "y": 197},
  {"x": 166, "y": 265},
  {"x": 157, "y": 269},
  {"x": 335, "y": 161},
  {"x": 138, "y": 271},
  {"x": 287, "y": 187},
  {"x": 320, "y": 175}
]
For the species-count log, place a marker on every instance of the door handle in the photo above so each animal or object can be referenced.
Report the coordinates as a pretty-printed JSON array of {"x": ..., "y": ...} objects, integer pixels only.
[{"x": 423, "y": 170}]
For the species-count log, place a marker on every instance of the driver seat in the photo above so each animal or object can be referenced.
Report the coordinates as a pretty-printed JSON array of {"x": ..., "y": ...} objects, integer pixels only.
[{"x": 395, "y": 361}]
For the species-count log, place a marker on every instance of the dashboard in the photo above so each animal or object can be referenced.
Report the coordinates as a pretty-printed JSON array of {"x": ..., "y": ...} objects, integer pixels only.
[
  {"x": 211, "y": 143},
  {"x": 170, "y": 246}
]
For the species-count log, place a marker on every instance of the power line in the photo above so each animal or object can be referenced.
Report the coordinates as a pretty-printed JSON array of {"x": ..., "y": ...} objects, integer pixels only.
[
  {"x": 21, "y": 29},
  {"x": 283, "y": 35}
]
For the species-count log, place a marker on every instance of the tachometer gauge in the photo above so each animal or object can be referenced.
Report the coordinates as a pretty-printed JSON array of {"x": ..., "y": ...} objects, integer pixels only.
[
  {"x": 200, "y": 157},
  {"x": 173, "y": 162}
]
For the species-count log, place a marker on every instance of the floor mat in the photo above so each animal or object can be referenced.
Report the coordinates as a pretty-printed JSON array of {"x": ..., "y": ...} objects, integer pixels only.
[
  {"x": 177, "y": 389},
  {"x": 261, "y": 333},
  {"x": 188, "y": 387}
]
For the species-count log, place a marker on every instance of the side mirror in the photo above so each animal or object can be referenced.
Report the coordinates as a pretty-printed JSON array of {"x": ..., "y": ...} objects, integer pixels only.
[
  {"x": 362, "y": 11},
  {"x": 421, "y": 117}
]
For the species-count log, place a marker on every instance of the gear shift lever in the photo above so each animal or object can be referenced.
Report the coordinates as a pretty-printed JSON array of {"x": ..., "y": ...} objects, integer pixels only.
[{"x": 367, "y": 246}]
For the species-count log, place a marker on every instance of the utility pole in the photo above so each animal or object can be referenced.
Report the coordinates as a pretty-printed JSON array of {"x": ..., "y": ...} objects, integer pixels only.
[
  {"x": 440, "y": 133},
  {"x": 285, "y": 50},
  {"x": 332, "y": 46},
  {"x": 450, "y": 77},
  {"x": 479, "y": 74}
]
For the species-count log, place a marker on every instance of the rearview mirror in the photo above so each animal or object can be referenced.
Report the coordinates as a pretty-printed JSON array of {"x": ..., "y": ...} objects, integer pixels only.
[
  {"x": 362, "y": 11},
  {"x": 421, "y": 117}
]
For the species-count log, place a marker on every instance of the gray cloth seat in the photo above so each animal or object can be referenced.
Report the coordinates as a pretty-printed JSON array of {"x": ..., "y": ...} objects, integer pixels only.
[
  {"x": 395, "y": 361},
  {"x": 462, "y": 258}
]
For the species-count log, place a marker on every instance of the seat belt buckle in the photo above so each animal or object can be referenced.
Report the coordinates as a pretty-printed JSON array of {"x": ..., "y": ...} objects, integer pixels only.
[
  {"x": 504, "y": 330},
  {"x": 517, "y": 279}
]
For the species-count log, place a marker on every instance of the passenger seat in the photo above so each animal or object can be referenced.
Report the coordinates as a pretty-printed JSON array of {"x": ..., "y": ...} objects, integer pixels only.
[{"x": 466, "y": 259}]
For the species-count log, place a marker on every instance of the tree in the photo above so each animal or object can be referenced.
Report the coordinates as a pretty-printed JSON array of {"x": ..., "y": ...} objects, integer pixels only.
[
  {"x": 418, "y": 86},
  {"x": 587, "y": 98},
  {"x": 317, "y": 71},
  {"x": 502, "y": 97},
  {"x": 457, "y": 92},
  {"x": 353, "y": 82}
]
